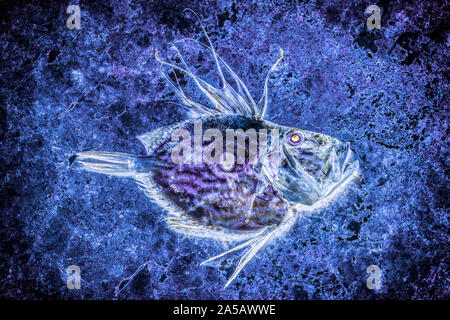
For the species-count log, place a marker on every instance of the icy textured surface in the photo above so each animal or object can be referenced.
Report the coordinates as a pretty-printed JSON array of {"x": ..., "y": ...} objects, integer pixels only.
[{"x": 64, "y": 91}]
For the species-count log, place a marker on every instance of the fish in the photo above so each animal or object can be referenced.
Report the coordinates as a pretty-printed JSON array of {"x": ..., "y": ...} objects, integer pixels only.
[{"x": 248, "y": 190}]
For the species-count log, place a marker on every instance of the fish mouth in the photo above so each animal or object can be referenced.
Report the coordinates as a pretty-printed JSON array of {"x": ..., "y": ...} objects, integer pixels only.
[
  {"x": 350, "y": 163},
  {"x": 343, "y": 165}
]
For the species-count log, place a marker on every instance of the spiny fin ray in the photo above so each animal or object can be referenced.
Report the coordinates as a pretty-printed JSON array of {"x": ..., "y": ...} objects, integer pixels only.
[
  {"x": 226, "y": 100},
  {"x": 254, "y": 244}
]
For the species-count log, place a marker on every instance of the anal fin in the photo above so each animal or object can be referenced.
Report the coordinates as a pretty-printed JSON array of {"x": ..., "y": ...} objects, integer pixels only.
[{"x": 254, "y": 245}]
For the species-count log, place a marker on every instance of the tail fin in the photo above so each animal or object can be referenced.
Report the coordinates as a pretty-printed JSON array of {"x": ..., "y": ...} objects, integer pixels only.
[{"x": 111, "y": 163}]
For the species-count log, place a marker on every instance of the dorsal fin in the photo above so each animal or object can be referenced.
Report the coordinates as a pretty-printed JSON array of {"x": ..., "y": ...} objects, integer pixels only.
[{"x": 225, "y": 100}]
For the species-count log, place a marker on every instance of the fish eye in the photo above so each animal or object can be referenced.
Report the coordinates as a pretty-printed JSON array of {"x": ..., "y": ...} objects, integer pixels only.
[{"x": 295, "y": 138}]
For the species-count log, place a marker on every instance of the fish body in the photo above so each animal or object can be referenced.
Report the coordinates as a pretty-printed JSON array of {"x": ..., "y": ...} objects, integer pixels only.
[
  {"x": 215, "y": 195},
  {"x": 228, "y": 174}
]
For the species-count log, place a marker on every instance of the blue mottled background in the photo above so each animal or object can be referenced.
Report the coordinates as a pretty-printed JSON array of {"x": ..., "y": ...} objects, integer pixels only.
[{"x": 64, "y": 91}]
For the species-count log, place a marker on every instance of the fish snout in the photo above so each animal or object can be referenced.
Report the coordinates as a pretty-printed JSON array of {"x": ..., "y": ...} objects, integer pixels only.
[
  {"x": 348, "y": 160},
  {"x": 340, "y": 162}
]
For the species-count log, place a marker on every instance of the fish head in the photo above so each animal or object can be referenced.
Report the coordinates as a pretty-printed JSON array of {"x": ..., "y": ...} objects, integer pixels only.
[{"x": 307, "y": 167}]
